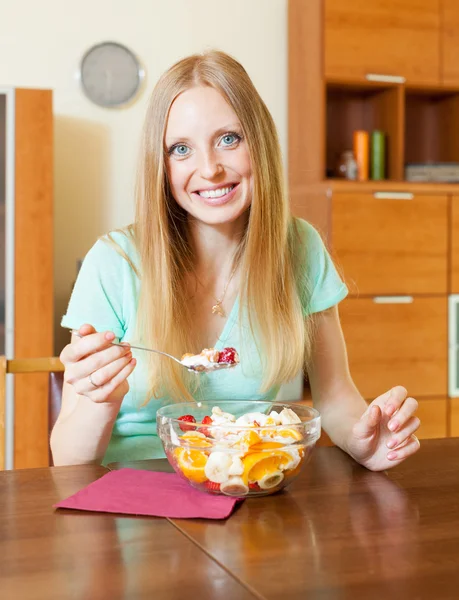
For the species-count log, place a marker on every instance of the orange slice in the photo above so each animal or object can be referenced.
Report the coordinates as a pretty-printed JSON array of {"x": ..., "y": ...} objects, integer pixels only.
[
  {"x": 260, "y": 464},
  {"x": 195, "y": 439},
  {"x": 266, "y": 446},
  {"x": 289, "y": 433},
  {"x": 192, "y": 463},
  {"x": 248, "y": 439}
]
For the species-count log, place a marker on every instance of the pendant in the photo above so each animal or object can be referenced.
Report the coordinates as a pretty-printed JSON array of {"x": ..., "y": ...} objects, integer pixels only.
[{"x": 217, "y": 309}]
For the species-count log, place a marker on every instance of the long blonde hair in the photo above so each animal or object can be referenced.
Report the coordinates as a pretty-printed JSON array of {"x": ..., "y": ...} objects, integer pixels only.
[{"x": 267, "y": 257}]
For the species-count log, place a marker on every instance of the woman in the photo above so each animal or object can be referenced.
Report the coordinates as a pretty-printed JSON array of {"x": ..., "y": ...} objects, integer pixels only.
[{"x": 213, "y": 259}]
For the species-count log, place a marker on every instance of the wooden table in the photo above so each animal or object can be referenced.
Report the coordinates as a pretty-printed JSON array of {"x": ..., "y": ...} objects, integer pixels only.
[{"x": 339, "y": 531}]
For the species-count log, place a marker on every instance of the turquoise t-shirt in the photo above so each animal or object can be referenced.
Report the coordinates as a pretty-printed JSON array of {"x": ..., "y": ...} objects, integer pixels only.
[{"x": 106, "y": 296}]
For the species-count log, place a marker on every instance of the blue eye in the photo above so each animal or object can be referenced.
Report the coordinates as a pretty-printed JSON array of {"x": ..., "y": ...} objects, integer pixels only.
[
  {"x": 229, "y": 139},
  {"x": 179, "y": 150}
]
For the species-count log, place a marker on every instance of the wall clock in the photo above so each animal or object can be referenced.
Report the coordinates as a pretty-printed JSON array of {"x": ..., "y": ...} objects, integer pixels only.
[{"x": 110, "y": 74}]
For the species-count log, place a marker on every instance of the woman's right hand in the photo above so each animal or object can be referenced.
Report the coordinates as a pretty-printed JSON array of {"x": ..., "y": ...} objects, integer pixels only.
[{"x": 95, "y": 367}]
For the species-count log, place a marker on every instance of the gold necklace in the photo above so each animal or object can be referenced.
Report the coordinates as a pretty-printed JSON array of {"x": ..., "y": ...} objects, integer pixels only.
[{"x": 217, "y": 308}]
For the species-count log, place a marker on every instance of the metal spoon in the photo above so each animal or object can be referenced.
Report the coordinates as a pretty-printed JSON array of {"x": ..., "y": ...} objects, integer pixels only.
[{"x": 194, "y": 369}]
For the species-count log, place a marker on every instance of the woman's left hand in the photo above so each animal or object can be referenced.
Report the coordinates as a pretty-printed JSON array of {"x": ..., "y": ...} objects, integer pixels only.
[{"x": 384, "y": 436}]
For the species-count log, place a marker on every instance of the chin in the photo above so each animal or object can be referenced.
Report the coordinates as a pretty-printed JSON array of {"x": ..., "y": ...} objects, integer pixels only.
[{"x": 221, "y": 216}]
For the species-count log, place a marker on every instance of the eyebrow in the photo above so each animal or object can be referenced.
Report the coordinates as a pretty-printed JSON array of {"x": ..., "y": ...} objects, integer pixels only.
[{"x": 219, "y": 131}]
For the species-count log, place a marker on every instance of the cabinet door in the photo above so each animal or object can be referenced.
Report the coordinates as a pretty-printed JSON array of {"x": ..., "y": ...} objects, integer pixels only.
[
  {"x": 450, "y": 42},
  {"x": 454, "y": 417},
  {"x": 397, "y": 343},
  {"x": 434, "y": 418},
  {"x": 454, "y": 235},
  {"x": 385, "y": 37},
  {"x": 391, "y": 246}
]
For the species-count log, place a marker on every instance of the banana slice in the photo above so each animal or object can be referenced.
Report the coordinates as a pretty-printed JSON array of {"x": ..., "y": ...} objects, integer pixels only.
[
  {"x": 289, "y": 417},
  {"x": 271, "y": 480},
  {"x": 237, "y": 467},
  {"x": 235, "y": 486},
  {"x": 217, "y": 467}
]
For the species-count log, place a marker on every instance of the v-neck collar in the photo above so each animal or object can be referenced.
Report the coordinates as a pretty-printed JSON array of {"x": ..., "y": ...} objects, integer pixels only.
[{"x": 232, "y": 317}]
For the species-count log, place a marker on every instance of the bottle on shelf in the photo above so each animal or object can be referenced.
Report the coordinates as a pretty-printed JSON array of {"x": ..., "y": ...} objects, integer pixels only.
[
  {"x": 378, "y": 155},
  {"x": 346, "y": 166},
  {"x": 361, "y": 153}
]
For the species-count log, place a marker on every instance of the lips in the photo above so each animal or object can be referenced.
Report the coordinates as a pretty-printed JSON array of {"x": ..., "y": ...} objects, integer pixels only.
[
  {"x": 216, "y": 192},
  {"x": 217, "y": 195}
]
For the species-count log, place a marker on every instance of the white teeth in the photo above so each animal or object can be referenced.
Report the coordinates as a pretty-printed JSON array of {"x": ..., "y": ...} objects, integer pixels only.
[{"x": 216, "y": 193}]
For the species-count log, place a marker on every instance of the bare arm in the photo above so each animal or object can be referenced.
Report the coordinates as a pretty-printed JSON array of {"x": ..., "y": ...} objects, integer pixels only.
[
  {"x": 335, "y": 394},
  {"x": 378, "y": 436},
  {"x": 84, "y": 426}
]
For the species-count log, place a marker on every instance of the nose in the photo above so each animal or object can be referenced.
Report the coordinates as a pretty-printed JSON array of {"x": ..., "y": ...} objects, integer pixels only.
[{"x": 209, "y": 167}]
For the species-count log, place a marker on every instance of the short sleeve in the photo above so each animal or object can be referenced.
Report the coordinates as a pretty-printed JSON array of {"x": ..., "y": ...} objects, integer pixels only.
[
  {"x": 321, "y": 286},
  {"x": 97, "y": 297}
]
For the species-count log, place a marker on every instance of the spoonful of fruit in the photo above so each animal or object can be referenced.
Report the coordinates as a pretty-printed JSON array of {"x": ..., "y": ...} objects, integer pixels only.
[{"x": 209, "y": 359}]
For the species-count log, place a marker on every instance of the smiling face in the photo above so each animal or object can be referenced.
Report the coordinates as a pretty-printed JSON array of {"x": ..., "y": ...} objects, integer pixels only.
[{"x": 208, "y": 162}]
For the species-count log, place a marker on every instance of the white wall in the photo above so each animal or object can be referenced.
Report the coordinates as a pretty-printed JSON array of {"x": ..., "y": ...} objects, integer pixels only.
[{"x": 41, "y": 44}]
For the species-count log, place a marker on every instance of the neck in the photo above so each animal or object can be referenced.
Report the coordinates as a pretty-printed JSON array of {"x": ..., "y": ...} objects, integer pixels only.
[{"x": 215, "y": 246}]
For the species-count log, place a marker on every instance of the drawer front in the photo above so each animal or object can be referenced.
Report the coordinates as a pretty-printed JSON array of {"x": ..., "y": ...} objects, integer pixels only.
[
  {"x": 391, "y": 245},
  {"x": 397, "y": 343}
]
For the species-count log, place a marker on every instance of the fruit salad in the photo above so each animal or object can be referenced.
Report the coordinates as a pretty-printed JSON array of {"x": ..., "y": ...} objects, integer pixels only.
[
  {"x": 211, "y": 359},
  {"x": 255, "y": 454}
]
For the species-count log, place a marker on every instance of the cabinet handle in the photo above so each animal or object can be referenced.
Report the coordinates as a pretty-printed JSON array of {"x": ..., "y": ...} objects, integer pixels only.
[
  {"x": 393, "y": 195},
  {"x": 385, "y": 78},
  {"x": 393, "y": 299}
]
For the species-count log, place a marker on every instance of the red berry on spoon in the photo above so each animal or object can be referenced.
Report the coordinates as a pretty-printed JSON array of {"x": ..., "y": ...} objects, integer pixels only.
[{"x": 229, "y": 356}]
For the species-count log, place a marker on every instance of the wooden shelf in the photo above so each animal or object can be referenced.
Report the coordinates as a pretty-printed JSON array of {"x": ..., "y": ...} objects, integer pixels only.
[
  {"x": 431, "y": 125},
  {"x": 344, "y": 185},
  {"x": 352, "y": 106}
]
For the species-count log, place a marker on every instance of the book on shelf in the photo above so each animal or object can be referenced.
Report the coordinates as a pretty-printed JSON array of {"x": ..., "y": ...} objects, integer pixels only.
[{"x": 444, "y": 172}]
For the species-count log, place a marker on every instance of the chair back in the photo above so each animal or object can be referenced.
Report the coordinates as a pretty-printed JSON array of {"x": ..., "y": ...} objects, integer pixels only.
[{"x": 51, "y": 365}]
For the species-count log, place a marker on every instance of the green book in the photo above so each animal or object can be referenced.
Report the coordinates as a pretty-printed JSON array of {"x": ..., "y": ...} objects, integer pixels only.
[{"x": 378, "y": 155}]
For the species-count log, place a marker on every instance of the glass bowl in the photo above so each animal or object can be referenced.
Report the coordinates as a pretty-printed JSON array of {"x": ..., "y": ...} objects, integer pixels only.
[{"x": 259, "y": 452}]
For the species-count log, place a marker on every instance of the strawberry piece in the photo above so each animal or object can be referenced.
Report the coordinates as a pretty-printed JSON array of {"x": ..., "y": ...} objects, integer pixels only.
[
  {"x": 212, "y": 486},
  {"x": 229, "y": 356},
  {"x": 206, "y": 421},
  {"x": 186, "y": 419},
  {"x": 254, "y": 486}
]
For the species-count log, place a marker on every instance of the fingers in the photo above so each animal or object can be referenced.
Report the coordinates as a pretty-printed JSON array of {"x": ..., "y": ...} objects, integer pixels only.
[
  {"x": 90, "y": 378},
  {"x": 88, "y": 344},
  {"x": 403, "y": 415},
  {"x": 98, "y": 362},
  {"x": 397, "y": 440},
  {"x": 101, "y": 393},
  {"x": 86, "y": 329},
  {"x": 366, "y": 425},
  {"x": 94, "y": 366},
  {"x": 409, "y": 447},
  {"x": 393, "y": 399}
]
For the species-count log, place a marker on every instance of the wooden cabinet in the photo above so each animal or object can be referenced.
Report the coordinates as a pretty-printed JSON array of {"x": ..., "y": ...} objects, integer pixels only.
[
  {"x": 383, "y": 37},
  {"x": 397, "y": 341},
  {"x": 434, "y": 418},
  {"x": 390, "y": 243},
  {"x": 454, "y": 417},
  {"x": 26, "y": 274},
  {"x": 450, "y": 42},
  {"x": 398, "y": 253}
]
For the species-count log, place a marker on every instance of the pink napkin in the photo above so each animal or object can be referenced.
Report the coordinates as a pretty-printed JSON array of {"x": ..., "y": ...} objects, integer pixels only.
[{"x": 134, "y": 492}]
